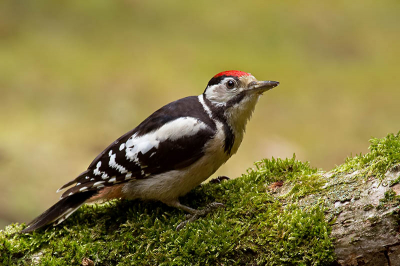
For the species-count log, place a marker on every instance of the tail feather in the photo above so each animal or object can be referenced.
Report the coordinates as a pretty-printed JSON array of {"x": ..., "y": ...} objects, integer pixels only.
[{"x": 59, "y": 211}]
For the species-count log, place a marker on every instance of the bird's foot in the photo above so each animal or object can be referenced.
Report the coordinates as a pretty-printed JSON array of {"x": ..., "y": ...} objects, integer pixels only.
[
  {"x": 199, "y": 213},
  {"x": 219, "y": 179}
]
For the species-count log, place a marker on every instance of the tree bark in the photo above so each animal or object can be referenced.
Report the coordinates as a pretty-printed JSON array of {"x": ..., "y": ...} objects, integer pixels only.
[{"x": 365, "y": 216}]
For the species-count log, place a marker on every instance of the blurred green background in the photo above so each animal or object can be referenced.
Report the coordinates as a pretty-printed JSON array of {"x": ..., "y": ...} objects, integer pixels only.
[{"x": 75, "y": 75}]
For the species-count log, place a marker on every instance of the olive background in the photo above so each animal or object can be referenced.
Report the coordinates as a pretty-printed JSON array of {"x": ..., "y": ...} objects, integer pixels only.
[{"x": 75, "y": 75}]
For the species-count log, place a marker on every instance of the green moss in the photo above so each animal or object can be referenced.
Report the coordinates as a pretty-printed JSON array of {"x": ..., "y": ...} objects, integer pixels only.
[
  {"x": 253, "y": 228},
  {"x": 300, "y": 177},
  {"x": 390, "y": 199},
  {"x": 390, "y": 195},
  {"x": 384, "y": 154},
  {"x": 296, "y": 237},
  {"x": 397, "y": 180},
  {"x": 368, "y": 207}
]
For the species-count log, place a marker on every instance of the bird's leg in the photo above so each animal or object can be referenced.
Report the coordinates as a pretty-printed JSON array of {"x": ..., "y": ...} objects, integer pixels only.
[
  {"x": 219, "y": 179},
  {"x": 193, "y": 213}
]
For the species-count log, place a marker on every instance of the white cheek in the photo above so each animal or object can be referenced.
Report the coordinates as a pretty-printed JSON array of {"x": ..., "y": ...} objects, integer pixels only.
[{"x": 217, "y": 94}]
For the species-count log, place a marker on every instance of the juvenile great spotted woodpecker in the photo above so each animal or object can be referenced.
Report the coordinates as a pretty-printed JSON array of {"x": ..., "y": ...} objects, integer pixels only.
[{"x": 170, "y": 152}]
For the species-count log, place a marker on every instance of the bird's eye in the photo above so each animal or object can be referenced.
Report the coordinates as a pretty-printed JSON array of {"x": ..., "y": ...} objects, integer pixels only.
[{"x": 230, "y": 84}]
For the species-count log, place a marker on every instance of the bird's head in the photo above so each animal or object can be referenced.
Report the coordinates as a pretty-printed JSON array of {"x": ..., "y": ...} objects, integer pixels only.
[
  {"x": 231, "y": 97},
  {"x": 230, "y": 88}
]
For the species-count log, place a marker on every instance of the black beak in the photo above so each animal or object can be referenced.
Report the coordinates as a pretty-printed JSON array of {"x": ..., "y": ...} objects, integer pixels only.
[{"x": 263, "y": 86}]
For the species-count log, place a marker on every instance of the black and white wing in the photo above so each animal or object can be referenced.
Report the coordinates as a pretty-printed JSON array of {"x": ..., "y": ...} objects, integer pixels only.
[{"x": 171, "y": 138}]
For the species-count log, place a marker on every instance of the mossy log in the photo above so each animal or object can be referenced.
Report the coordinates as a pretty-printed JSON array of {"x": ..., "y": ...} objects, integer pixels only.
[
  {"x": 364, "y": 211},
  {"x": 281, "y": 212}
]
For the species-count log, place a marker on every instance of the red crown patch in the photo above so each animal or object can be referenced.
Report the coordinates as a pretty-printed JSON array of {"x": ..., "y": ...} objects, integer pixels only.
[{"x": 232, "y": 73}]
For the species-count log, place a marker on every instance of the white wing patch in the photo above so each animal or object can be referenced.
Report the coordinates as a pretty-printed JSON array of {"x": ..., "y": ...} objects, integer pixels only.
[{"x": 176, "y": 129}]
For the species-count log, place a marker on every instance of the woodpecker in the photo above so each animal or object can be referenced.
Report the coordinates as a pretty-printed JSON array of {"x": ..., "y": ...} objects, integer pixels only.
[{"x": 172, "y": 151}]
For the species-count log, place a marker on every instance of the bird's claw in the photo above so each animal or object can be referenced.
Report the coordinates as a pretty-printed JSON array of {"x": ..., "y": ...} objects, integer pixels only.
[{"x": 199, "y": 213}]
